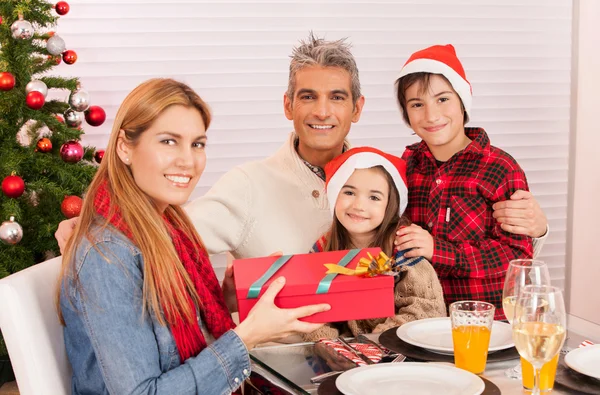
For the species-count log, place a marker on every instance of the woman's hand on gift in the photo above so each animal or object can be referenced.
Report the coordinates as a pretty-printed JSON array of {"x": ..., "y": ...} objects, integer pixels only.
[
  {"x": 228, "y": 285},
  {"x": 267, "y": 322},
  {"x": 416, "y": 239}
]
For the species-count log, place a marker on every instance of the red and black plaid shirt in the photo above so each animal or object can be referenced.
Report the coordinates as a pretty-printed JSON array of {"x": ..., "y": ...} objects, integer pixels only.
[{"x": 454, "y": 202}]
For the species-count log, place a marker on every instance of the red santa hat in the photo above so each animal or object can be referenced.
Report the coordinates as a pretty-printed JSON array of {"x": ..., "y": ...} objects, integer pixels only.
[
  {"x": 339, "y": 170},
  {"x": 441, "y": 59}
]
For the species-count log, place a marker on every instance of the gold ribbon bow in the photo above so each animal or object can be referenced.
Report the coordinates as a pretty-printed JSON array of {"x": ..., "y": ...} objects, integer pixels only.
[{"x": 367, "y": 267}]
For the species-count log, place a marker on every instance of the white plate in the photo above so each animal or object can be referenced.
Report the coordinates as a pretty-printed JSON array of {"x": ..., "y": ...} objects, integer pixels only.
[
  {"x": 409, "y": 378},
  {"x": 435, "y": 334},
  {"x": 585, "y": 360}
]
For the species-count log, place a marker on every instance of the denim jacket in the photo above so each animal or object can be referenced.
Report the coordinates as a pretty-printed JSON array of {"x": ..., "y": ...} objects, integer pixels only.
[{"x": 116, "y": 348}]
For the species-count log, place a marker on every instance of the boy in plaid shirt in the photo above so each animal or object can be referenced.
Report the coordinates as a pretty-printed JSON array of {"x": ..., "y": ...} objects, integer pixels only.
[{"x": 454, "y": 178}]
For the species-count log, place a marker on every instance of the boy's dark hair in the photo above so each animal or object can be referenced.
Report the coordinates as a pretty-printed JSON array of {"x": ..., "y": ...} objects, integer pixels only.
[
  {"x": 339, "y": 239},
  {"x": 423, "y": 78}
]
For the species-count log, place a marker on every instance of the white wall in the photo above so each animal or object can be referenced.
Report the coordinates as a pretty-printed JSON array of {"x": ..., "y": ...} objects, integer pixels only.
[
  {"x": 584, "y": 269},
  {"x": 517, "y": 54}
]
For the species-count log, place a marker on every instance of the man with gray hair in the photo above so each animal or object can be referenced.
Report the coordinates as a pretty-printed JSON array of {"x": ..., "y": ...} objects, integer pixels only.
[{"x": 279, "y": 203}]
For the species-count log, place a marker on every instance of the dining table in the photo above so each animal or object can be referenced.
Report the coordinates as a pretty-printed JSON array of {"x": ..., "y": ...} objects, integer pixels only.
[{"x": 283, "y": 369}]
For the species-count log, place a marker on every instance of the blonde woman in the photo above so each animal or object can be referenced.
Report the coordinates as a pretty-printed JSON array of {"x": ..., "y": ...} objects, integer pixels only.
[{"x": 142, "y": 308}]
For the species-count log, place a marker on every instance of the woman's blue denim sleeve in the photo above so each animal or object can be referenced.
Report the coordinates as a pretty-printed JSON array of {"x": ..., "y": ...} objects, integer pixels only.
[{"x": 124, "y": 339}]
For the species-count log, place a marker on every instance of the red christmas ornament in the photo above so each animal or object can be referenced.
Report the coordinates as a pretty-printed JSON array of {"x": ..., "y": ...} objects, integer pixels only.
[
  {"x": 35, "y": 100},
  {"x": 95, "y": 116},
  {"x": 13, "y": 186},
  {"x": 50, "y": 34},
  {"x": 99, "y": 155},
  {"x": 71, "y": 151},
  {"x": 69, "y": 56},
  {"x": 7, "y": 81},
  {"x": 62, "y": 7},
  {"x": 60, "y": 118},
  {"x": 0, "y": 20},
  {"x": 44, "y": 145},
  {"x": 71, "y": 206}
]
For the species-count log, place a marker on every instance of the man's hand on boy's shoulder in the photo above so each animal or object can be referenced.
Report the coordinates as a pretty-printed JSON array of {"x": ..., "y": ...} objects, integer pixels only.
[
  {"x": 415, "y": 238},
  {"x": 521, "y": 215}
]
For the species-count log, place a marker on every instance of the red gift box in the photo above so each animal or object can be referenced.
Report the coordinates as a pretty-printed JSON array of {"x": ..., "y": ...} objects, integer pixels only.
[{"x": 350, "y": 297}]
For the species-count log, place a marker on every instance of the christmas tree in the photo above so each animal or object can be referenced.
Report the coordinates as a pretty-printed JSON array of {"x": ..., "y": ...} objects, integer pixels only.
[{"x": 44, "y": 170}]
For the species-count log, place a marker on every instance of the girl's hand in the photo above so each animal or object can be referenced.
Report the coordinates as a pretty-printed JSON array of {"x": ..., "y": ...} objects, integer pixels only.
[
  {"x": 415, "y": 238},
  {"x": 267, "y": 322}
]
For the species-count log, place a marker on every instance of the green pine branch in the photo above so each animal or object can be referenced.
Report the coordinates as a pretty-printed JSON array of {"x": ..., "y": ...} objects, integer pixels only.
[{"x": 48, "y": 179}]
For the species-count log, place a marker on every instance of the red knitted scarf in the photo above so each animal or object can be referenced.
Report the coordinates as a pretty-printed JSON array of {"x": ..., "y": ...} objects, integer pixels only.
[{"x": 188, "y": 336}]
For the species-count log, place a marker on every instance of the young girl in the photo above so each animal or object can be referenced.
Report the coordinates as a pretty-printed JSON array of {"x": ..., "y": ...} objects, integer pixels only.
[
  {"x": 142, "y": 307},
  {"x": 367, "y": 193}
]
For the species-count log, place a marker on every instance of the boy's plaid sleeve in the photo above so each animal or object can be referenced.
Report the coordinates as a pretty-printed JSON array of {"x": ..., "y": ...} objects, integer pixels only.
[{"x": 486, "y": 257}]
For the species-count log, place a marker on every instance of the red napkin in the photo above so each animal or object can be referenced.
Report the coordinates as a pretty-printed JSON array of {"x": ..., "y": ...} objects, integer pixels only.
[{"x": 370, "y": 351}]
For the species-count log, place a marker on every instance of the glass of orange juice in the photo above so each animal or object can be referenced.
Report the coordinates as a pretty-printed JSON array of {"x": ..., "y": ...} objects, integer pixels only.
[
  {"x": 546, "y": 374},
  {"x": 471, "y": 330}
]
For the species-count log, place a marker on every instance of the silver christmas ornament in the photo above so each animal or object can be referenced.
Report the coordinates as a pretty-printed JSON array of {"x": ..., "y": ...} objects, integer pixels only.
[
  {"x": 79, "y": 100},
  {"x": 11, "y": 232},
  {"x": 37, "y": 86},
  {"x": 22, "y": 29},
  {"x": 73, "y": 118},
  {"x": 56, "y": 45}
]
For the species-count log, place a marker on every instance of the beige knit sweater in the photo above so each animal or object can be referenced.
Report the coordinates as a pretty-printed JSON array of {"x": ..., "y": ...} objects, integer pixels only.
[
  {"x": 275, "y": 204},
  {"x": 417, "y": 294}
]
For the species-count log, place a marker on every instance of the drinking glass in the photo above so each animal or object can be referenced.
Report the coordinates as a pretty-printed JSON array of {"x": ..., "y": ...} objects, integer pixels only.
[
  {"x": 521, "y": 272},
  {"x": 539, "y": 326},
  {"x": 471, "y": 331}
]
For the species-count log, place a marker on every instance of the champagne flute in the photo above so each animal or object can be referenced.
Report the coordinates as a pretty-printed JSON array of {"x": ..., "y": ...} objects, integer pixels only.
[
  {"x": 521, "y": 272},
  {"x": 539, "y": 326}
]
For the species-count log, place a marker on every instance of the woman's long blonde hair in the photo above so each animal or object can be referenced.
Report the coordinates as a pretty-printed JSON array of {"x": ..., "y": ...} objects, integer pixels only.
[{"x": 166, "y": 282}]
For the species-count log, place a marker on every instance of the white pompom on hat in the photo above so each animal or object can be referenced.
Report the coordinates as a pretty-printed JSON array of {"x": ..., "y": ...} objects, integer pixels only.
[
  {"x": 441, "y": 59},
  {"x": 339, "y": 170}
]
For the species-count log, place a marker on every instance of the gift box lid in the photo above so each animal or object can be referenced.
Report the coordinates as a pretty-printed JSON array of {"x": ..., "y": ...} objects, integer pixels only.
[{"x": 304, "y": 272}]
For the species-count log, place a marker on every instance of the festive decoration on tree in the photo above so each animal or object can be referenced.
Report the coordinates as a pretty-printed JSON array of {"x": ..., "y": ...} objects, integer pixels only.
[
  {"x": 95, "y": 116},
  {"x": 71, "y": 206},
  {"x": 57, "y": 59},
  {"x": 13, "y": 186},
  {"x": 44, "y": 145},
  {"x": 7, "y": 81},
  {"x": 55, "y": 45},
  {"x": 69, "y": 56},
  {"x": 35, "y": 100},
  {"x": 79, "y": 100},
  {"x": 99, "y": 155},
  {"x": 11, "y": 232},
  {"x": 22, "y": 29},
  {"x": 62, "y": 7},
  {"x": 73, "y": 118},
  {"x": 71, "y": 151},
  {"x": 37, "y": 86},
  {"x": 28, "y": 80}
]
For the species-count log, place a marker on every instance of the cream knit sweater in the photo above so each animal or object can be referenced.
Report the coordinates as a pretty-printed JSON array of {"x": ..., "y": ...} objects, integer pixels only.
[{"x": 275, "y": 204}]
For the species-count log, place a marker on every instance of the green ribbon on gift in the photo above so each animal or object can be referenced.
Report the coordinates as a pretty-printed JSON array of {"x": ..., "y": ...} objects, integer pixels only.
[
  {"x": 255, "y": 288},
  {"x": 325, "y": 283}
]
